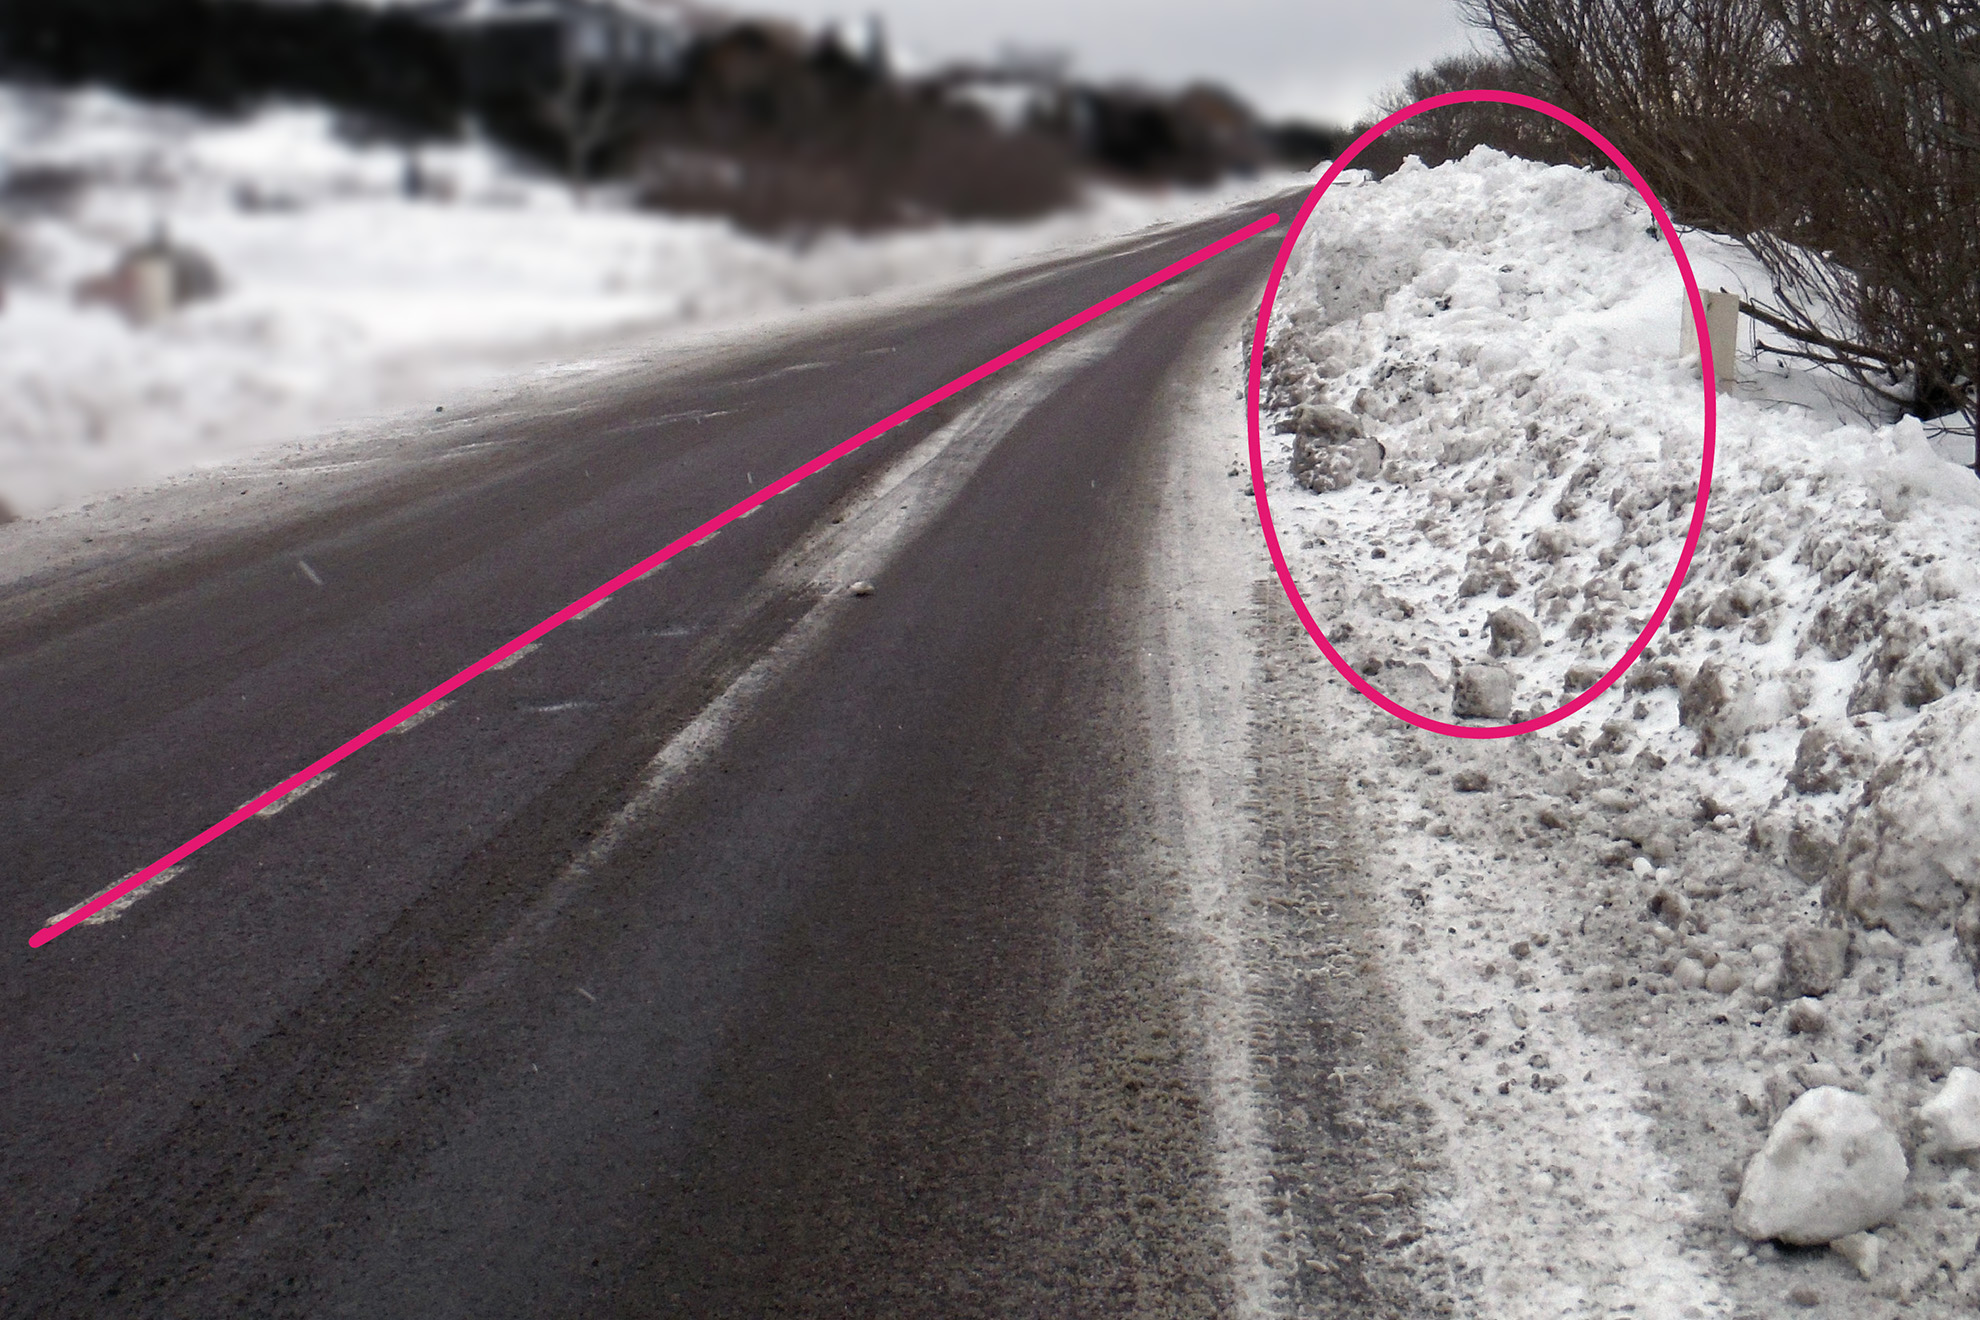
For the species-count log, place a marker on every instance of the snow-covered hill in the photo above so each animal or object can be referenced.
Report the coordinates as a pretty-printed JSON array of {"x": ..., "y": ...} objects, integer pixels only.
[{"x": 347, "y": 294}]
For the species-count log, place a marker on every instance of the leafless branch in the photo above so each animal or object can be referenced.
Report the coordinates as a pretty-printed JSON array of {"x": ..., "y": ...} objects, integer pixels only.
[{"x": 1807, "y": 336}]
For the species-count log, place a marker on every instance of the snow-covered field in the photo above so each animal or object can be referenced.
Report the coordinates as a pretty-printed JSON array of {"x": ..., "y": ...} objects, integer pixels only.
[
  {"x": 344, "y": 299},
  {"x": 1750, "y": 871}
]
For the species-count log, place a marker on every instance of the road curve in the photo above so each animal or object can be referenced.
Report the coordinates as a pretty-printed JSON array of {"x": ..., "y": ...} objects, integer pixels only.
[{"x": 750, "y": 947}]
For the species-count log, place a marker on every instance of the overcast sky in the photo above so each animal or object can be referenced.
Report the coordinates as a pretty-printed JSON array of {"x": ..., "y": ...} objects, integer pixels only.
[{"x": 1325, "y": 58}]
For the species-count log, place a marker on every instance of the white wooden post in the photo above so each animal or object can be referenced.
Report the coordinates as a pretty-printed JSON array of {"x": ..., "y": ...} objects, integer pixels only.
[
  {"x": 149, "y": 287},
  {"x": 1722, "y": 321}
]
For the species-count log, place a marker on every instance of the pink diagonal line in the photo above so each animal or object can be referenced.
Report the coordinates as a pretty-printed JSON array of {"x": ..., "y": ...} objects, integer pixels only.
[{"x": 645, "y": 566}]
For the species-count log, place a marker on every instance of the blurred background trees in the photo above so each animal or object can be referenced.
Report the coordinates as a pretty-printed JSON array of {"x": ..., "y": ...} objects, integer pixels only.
[{"x": 690, "y": 109}]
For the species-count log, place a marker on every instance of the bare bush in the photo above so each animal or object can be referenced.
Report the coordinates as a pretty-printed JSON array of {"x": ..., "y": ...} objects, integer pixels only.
[
  {"x": 1839, "y": 140},
  {"x": 1448, "y": 132},
  {"x": 1670, "y": 82},
  {"x": 1884, "y": 120}
]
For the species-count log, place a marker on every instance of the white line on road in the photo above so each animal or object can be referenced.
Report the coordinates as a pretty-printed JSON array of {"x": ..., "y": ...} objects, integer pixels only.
[
  {"x": 159, "y": 881},
  {"x": 281, "y": 804},
  {"x": 411, "y": 722},
  {"x": 122, "y": 905},
  {"x": 512, "y": 657}
]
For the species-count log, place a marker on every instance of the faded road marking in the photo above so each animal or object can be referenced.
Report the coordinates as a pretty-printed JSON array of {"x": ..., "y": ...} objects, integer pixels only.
[
  {"x": 512, "y": 657},
  {"x": 119, "y": 906},
  {"x": 281, "y": 802},
  {"x": 412, "y": 722}
]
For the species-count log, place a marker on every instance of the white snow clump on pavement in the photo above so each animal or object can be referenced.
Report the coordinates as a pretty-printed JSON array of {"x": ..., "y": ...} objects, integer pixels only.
[
  {"x": 1952, "y": 1117},
  {"x": 1831, "y": 1167}
]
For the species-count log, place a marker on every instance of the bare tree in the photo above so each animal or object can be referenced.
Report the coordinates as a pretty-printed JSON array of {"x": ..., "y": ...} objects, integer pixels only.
[
  {"x": 1943, "y": 41},
  {"x": 1928, "y": 303},
  {"x": 586, "y": 106}
]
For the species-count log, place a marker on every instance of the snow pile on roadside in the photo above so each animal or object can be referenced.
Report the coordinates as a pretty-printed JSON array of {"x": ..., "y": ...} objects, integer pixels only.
[
  {"x": 345, "y": 293},
  {"x": 1477, "y": 367}
]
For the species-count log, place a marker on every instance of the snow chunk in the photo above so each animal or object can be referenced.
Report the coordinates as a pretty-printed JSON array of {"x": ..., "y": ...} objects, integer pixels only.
[
  {"x": 1952, "y": 1117},
  {"x": 1831, "y": 1167},
  {"x": 1813, "y": 960},
  {"x": 1911, "y": 850},
  {"x": 1482, "y": 692},
  {"x": 1860, "y": 1250}
]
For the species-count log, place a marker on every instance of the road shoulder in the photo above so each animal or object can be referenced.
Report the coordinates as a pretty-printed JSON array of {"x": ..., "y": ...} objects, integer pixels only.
[{"x": 1329, "y": 1163}]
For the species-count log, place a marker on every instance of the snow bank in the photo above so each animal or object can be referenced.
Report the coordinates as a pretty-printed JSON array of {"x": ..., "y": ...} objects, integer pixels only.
[
  {"x": 1507, "y": 332},
  {"x": 1795, "y": 754},
  {"x": 345, "y": 297}
]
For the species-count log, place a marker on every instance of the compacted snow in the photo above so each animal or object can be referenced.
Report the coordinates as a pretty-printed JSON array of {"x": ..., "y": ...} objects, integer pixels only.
[
  {"x": 1628, "y": 944},
  {"x": 346, "y": 295}
]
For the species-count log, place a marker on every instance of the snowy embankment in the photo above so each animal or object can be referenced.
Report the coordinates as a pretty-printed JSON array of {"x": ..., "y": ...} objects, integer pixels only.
[
  {"x": 1747, "y": 873},
  {"x": 346, "y": 295}
]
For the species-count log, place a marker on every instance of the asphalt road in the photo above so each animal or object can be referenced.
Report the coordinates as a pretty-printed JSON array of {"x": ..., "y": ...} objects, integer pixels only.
[{"x": 748, "y": 948}]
